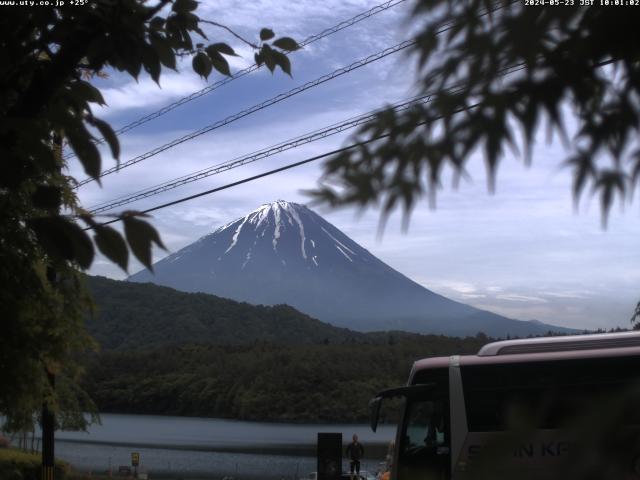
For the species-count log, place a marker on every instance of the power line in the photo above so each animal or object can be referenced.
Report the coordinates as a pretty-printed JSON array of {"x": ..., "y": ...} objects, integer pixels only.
[
  {"x": 253, "y": 157},
  {"x": 272, "y": 150},
  {"x": 318, "y": 81},
  {"x": 336, "y": 73},
  {"x": 255, "y": 108},
  {"x": 278, "y": 98},
  {"x": 505, "y": 71},
  {"x": 250, "y": 179},
  {"x": 274, "y": 171},
  {"x": 241, "y": 73}
]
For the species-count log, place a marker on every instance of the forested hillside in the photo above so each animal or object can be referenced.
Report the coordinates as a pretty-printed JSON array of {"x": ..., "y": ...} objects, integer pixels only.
[
  {"x": 310, "y": 383},
  {"x": 174, "y": 353},
  {"x": 134, "y": 315}
]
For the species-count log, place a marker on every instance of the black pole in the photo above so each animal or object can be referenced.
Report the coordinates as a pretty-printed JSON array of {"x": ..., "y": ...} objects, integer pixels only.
[
  {"x": 48, "y": 442},
  {"x": 48, "y": 417}
]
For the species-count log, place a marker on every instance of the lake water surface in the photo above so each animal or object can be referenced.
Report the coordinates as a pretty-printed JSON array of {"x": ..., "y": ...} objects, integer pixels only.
[{"x": 209, "y": 448}]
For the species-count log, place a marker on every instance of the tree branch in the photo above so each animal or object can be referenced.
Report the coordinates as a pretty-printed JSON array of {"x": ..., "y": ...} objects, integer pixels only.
[{"x": 219, "y": 25}]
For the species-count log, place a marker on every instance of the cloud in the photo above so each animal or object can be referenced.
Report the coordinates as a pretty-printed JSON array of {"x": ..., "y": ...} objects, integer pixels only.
[
  {"x": 145, "y": 93},
  {"x": 521, "y": 252},
  {"x": 565, "y": 305},
  {"x": 455, "y": 286},
  {"x": 569, "y": 294},
  {"x": 520, "y": 298}
]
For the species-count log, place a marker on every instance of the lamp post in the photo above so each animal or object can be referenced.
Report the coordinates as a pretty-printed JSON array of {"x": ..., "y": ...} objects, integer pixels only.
[
  {"x": 48, "y": 442},
  {"x": 48, "y": 417}
]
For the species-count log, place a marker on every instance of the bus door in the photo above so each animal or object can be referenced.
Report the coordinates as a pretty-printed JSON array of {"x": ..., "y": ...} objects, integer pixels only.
[
  {"x": 424, "y": 450},
  {"x": 423, "y": 440}
]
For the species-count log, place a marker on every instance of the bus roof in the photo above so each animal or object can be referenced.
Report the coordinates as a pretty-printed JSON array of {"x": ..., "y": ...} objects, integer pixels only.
[
  {"x": 562, "y": 344},
  {"x": 542, "y": 349}
]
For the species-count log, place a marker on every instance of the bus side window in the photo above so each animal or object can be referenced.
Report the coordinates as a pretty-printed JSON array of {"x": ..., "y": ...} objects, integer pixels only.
[{"x": 546, "y": 395}]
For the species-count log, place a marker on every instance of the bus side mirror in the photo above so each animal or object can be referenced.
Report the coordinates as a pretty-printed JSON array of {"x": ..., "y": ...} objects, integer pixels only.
[{"x": 374, "y": 408}]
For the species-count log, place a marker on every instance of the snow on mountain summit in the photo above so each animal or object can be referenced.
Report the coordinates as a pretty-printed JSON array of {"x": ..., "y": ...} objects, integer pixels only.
[
  {"x": 278, "y": 214},
  {"x": 283, "y": 252},
  {"x": 282, "y": 224}
]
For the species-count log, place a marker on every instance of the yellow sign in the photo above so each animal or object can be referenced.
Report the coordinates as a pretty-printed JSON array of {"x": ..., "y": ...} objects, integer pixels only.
[{"x": 135, "y": 459}]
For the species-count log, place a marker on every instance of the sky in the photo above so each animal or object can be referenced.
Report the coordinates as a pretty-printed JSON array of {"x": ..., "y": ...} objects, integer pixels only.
[{"x": 523, "y": 251}]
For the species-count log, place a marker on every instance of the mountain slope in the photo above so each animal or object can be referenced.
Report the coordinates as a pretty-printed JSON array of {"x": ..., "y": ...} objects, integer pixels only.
[
  {"x": 132, "y": 315},
  {"x": 285, "y": 253}
]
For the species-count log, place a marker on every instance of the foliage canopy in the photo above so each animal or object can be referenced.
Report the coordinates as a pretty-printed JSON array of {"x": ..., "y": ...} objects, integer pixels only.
[
  {"x": 578, "y": 62},
  {"x": 263, "y": 381},
  {"x": 47, "y": 57}
]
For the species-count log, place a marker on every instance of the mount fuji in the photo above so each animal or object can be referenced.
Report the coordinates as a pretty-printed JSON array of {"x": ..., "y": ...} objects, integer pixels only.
[{"x": 284, "y": 253}]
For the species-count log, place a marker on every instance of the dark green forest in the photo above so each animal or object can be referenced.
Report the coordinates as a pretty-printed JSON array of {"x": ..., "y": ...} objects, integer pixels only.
[
  {"x": 262, "y": 381},
  {"x": 173, "y": 353},
  {"x": 132, "y": 315}
]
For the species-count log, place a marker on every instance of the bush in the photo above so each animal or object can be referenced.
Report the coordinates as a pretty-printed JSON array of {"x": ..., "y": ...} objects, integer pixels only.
[{"x": 19, "y": 465}]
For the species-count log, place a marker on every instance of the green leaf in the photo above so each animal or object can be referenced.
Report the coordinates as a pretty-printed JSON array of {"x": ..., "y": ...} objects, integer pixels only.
[
  {"x": 609, "y": 181},
  {"x": 151, "y": 62},
  {"x": 584, "y": 170},
  {"x": 286, "y": 43},
  {"x": 131, "y": 61},
  {"x": 200, "y": 32},
  {"x": 140, "y": 235},
  {"x": 258, "y": 58},
  {"x": 87, "y": 92},
  {"x": 223, "y": 48},
  {"x": 202, "y": 64},
  {"x": 218, "y": 61},
  {"x": 266, "y": 34},
  {"x": 164, "y": 50},
  {"x": 267, "y": 55},
  {"x": 635, "y": 172},
  {"x": 222, "y": 66},
  {"x": 109, "y": 135},
  {"x": 283, "y": 61},
  {"x": 184, "y": 6},
  {"x": 112, "y": 245},
  {"x": 63, "y": 239},
  {"x": 86, "y": 151}
]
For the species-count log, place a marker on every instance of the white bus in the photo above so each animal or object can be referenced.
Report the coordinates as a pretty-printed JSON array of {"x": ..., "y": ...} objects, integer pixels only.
[{"x": 555, "y": 407}]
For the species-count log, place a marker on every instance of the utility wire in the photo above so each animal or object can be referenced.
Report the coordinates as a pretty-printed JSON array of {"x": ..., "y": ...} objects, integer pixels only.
[
  {"x": 272, "y": 172},
  {"x": 255, "y": 108},
  {"x": 253, "y": 157},
  {"x": 250, "y": 179},
  {"x": 289, "y": 166},
  {"x": 272, "y": 101},
  {"x": 274, "y": 149},
  {"x": 504, "y": 72},
  {"x": 241, "y": 73},
  {"x": 292, "y": 165}
]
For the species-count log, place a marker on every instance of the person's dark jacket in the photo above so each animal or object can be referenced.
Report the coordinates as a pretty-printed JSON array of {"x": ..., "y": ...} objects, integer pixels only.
[{"x": 355, "y": 450}]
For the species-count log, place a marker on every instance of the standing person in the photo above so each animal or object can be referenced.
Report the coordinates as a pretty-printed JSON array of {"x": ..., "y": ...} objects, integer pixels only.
[{"x": 355, "y": 450}]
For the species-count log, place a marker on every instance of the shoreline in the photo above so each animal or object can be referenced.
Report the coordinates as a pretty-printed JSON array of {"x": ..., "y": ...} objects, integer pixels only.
[
  {"x": 172, "y": 447},
  {"x": 270, "y": 421},
  {"x": 374, "y": 449}
]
